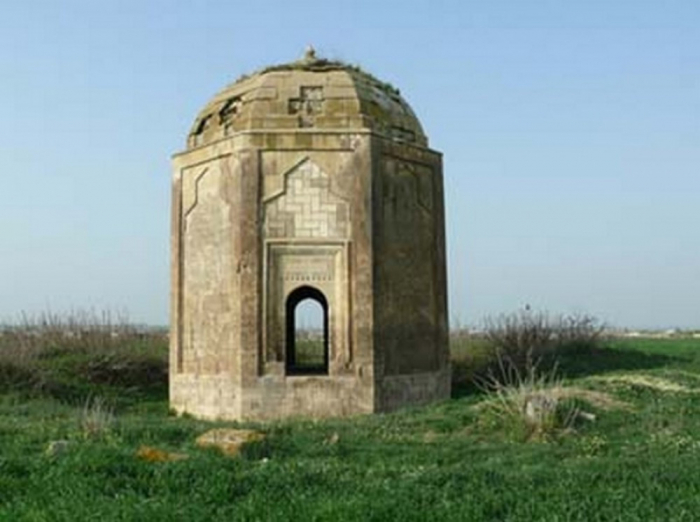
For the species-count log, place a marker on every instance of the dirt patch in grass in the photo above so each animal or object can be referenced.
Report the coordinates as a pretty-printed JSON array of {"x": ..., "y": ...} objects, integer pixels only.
[
  {"x": 597, "y": 399},
  {"x": 646, "y": 381}
]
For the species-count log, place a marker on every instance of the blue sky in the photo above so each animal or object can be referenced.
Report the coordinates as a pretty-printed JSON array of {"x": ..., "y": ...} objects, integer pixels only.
[{"x": 570, "y": 132}]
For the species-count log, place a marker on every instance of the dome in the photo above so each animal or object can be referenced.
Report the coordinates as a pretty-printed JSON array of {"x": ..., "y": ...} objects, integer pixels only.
[{"x": 309, "y": 94}]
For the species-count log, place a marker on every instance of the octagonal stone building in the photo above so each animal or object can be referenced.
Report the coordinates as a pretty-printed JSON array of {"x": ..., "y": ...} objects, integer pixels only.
[{"x": 307, "y": 181}]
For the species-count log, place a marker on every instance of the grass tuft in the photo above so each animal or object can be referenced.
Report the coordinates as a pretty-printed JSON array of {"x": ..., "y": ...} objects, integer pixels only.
[
  {"x": 528, "y": 404},
  {"x": 96, "y": 419}
]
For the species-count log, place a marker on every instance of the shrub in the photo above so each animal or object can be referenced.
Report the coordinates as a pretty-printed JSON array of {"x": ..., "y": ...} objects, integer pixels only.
[
  {"x": 525, "y": 337},
  {"x": 528, "y": 340},
  {"x": 523, "y": 340}
]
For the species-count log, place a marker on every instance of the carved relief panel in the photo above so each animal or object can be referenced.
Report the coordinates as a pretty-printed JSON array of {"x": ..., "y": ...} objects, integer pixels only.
[
  {"x": 307, "y": 208},
  {"x": 307, "y": 105},
  {"x": 306, "y": 232}
]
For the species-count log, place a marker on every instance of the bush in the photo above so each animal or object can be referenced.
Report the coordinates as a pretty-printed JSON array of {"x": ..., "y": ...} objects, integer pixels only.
[
  {"x": 519, "y": 374},
  {"x": 526, "y": 337},
  {"x": 528, "y": 340},
  {"x": 523, "y": 341}
]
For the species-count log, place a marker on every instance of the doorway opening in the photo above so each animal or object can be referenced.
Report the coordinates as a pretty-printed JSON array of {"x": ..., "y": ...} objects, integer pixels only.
[{"x": 307, "y": 332}]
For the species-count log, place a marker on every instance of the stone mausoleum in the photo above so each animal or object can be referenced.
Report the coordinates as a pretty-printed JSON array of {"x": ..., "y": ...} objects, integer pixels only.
[{"x": 311, "y": 180}]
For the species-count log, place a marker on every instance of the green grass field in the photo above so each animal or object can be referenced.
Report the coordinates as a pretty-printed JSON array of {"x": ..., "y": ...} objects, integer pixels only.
[{"x": 638, "y": 460}]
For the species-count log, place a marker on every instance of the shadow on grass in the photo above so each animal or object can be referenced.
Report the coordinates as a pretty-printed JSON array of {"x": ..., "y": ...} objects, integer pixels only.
[{"x": 572, "y": 363}]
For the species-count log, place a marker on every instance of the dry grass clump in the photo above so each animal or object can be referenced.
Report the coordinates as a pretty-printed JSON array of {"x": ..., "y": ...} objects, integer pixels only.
[
  {"x": 527, "y": 404},
  {"x": 532, "y": 404},
  {"x": 96, "y": 418}
]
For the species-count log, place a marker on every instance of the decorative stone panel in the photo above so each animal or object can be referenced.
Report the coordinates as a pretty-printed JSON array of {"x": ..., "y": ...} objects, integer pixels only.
[
  {"x": 323, "y": 266},
  {"x": 307, "y": 208}
]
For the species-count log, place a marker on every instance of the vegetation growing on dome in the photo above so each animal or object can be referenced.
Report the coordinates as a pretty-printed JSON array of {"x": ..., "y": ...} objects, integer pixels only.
[{"x": 310, "y": 62}]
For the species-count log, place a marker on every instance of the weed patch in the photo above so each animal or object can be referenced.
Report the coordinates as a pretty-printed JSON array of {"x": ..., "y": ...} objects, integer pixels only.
[
  {"x": 96, "y": 419},
  {"x": 527, "y": 405},
  {"x": 70, "y": 357}
]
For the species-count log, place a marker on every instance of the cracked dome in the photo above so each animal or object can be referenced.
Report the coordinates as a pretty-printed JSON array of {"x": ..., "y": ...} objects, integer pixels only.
[{"x": 312, "y": 93}]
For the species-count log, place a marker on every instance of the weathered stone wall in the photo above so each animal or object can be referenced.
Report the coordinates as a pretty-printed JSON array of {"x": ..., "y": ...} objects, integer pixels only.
[
  {"x": 206, "y": 317},
  {"x": 206, "y": 396},
  {"x": 409, "y": 253},
  {"x": 308, "y": 396},
  {"x": 399, "y": 391},
  {"x": 208, "y": 275}
]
